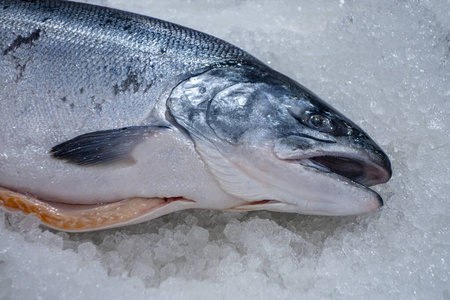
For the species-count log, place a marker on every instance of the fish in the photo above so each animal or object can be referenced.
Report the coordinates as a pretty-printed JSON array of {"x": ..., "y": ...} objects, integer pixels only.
[{"x": 111, "y": 118}]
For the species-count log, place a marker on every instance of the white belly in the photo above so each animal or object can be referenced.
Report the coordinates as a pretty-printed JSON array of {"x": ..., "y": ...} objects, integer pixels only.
[{"x": 165, "y": 165}]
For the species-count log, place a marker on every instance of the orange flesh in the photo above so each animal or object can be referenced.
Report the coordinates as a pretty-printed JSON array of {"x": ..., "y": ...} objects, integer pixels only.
[{"x": 69, "y": 217}]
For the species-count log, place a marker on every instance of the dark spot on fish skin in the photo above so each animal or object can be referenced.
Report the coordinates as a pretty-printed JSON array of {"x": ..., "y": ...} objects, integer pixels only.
[
  {"x": 64, "y": 99},
  {"x": 98, "y": 105},
  {"x": 81, "y": 90},
  {"x": 6, "y": 7},
  {"x": 447, "y": 41},
  {"x": 45, "y": 19},
  {"x": 105, "y": 22},
  {"x": 20, "y": 66},
  {"x": 72, "y": 106},
  {"x": 131, "y": 82},
  {"x": 163, "y": 50},
  {"x": 20, "y": 40},
  {"x": 127, "y": 27},
  {"x": 147, "y": 87},
  {"x": 116, "y": 89},
  {"x": 98, "y": 108},
  {"x": 21, "y": 69}
]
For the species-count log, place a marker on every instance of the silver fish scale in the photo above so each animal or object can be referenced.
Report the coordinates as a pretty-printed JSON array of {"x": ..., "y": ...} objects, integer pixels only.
[
  {"x": 99, "y": 105},
  {"x": 91, "y": 67}
]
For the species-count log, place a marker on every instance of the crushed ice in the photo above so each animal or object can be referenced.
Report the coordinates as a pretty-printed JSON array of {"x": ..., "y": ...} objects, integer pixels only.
[{"x": 385, "y": 65}]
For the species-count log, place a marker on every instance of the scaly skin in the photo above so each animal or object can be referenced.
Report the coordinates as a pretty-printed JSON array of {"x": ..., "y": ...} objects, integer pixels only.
[{"x": 107, "y": 114}]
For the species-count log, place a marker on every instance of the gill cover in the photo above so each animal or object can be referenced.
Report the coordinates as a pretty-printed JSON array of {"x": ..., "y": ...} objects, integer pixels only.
[{"x": 263, "y": 136}]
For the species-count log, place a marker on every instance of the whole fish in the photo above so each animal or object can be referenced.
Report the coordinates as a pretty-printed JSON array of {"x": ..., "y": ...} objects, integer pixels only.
[{"x": 109, "y": 118}]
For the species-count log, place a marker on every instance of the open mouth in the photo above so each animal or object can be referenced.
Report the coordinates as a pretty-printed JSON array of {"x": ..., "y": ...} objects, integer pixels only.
[{"x": 363, "y": 171}]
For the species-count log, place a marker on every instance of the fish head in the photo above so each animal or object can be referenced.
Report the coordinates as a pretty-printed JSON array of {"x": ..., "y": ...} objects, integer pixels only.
[{"x": 269, "y": 140}]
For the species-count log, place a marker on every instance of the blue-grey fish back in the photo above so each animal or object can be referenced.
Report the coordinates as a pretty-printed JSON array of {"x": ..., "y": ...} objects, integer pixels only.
[
  {"x": 101, "y": 25},
  {"x": 94, "y": 68}
]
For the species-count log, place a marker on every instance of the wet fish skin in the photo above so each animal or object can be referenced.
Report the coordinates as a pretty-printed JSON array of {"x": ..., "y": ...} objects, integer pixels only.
[
  {"x": 68, "y": 69},
  {"x": 81, "y": 51},
  {"x": 101, "y": 105},
  {"x": 252, "y": 121}
]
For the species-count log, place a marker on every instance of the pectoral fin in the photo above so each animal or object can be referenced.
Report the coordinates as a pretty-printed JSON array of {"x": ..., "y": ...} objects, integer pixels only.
[{"x": 102, "y": 147}]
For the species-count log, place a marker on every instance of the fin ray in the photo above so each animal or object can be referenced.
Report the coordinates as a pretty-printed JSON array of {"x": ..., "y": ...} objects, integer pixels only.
[{"x": 101, "y": 147}]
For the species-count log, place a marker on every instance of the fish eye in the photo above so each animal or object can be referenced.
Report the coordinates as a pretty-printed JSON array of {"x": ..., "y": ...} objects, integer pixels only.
[{"x": 321, "y": 123}]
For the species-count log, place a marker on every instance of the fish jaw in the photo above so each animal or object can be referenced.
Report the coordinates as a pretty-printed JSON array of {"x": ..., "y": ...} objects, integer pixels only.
[
  {"x": 257, "y": 176},
  {"x": 367, "y": 166},
  {"x": 309, "y": 190}
]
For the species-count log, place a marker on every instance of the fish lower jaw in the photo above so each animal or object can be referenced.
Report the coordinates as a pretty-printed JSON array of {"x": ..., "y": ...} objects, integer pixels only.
[
  {"x": 320, "y": 208},
  {"x": 287, "y": 186}
]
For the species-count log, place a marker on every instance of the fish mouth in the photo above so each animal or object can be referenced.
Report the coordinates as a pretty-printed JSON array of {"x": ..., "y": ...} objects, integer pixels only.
[
  {"x": 360, "y": 169},
  {"x": 340, "y": 189}
]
